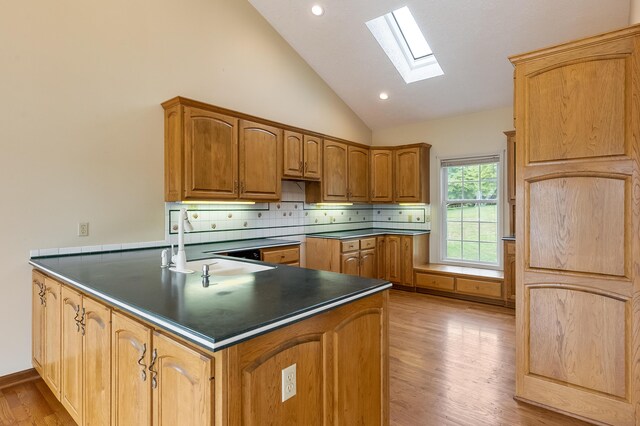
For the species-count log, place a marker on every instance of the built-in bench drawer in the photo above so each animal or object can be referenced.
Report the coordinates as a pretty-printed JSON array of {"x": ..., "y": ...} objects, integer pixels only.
[
  {"x": 367, "y": 243},
  {"x": 350, "y": 245},
  {"x": 437, "y": 282},
  {"x": 479, "y": 288}
]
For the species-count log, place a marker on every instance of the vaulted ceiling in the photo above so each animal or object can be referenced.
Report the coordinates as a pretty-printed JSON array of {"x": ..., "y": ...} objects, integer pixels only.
[{"x": 470, "y": 38}]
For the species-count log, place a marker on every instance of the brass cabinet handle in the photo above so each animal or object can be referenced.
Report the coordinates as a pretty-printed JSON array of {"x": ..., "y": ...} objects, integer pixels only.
[
  {"x": 154, "y": 373},
  {"x": 82, "y": 322},
  {"x": 143, "y": 373},
  {"x": 76, "y": 319}
]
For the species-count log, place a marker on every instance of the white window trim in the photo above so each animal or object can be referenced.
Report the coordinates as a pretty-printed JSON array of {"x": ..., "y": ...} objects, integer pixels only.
[{"x": 443, "y": 217}]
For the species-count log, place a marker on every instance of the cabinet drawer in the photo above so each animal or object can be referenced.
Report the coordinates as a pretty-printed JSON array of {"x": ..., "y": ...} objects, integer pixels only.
[
  {"x": 350, "y": 245},
  {"x": 367, "y": 243},
  {"x": 291, "y": 255},
  {"x": 479, "y": 288},
  {"x": 437, "y": 282}
]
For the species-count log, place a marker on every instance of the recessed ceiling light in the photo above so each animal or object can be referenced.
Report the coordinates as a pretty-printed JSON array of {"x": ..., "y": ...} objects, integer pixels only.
[
  {"x": 317, "y": 10},
  {"x": 384, "y": 96}
]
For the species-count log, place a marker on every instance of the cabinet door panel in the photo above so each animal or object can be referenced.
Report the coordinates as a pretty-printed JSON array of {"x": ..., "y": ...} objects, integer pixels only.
[
  {"x": 382, "y": 259},
  {"x": 358, "y": 174},
  {"x": 293, "y": 157},
  {"x": 407, "y": 260},
  {"x": 394, "y": 255},
  {"x": 184, "y": 390},
  {"x": 368, "y": 265},
  {"x": 260, "y": 148},
  {"x": 335, "y": 171},
  {"x": 37, "y": 322},
  {"x": 359, "y": 346},
  {"x": 72, "y": 389},
  {"x": 131, "y": 388},
  {"x": 351, "y": 263},
  {"x": 407, "y": 175},
  {"x": 97, "y": 364},
  {"x": 211, "y": 155},
  {"x": 52, "y": 335},
  {"x": 381, "y": 175},
  {"x": 312, "y": 157}
]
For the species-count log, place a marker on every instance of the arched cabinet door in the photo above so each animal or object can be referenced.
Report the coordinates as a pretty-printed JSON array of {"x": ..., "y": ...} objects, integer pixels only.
[
  {"x": 182, "y": 384},
  {"x": 335, "y": 187},
  {"x": 260, "y": 161},
  {"x": 577, "y": 221},
  {"x": 72, "y": 357},
  {"x": 97, "y": 363},
  {"x": 131, "y": 385}
]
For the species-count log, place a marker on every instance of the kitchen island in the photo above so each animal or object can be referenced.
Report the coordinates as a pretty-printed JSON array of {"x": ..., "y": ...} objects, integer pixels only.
[{"x": 120, "y": 340}]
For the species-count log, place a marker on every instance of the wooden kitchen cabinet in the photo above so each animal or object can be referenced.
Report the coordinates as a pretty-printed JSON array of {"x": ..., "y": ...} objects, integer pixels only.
[
  {"x": 211, "y": 155},
  {"x": 182, "y": 384},
  {"x": 381, "y": 251},
  {"x": 400, "y": 255},
  {"x": 287, "y": 255},
  {"x": 511, "y": 179},
  {"x": 368, "y": 264},
  {"x": 407, "y": 260},
  {"x": 393, "y": 261},
  {"x": 335, "y": 180},
  {"x": 37, "y": 322},
  {"x": 312, "y": 157},
  {"x": 293, "y": 155},
  {"x": 86, "y": 363},
  {"x": 351, "y": 263},
  {"x": 131, "y": 382},
  {"x": 411, "y": 174},
  {"x": 358, "y": 174},
  {"x": 354, "y": 257},
  {"x": 52, "y": 335},
  {"x": 259, "y": 161},
  {"x": 510, "y": 273},
  {"x": 381, "y": 171},
  {"x": 577, "y": 221},
  {"x": 302, "y": 156}
]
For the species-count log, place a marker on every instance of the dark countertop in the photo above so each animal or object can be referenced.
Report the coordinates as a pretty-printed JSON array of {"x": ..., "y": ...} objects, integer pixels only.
[
  {"x": 509, "y": 238},
  {"x": 231, "y": 309},
  {"x": 368, "y": 232}
]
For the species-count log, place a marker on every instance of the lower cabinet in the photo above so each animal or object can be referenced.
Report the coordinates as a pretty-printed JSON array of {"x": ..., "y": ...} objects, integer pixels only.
[
  {"x": 359, "y": 257},
  {"x": 287, "y": 255},
  {"x": 37, "y": 323},
  {"x": 399, "y": 254},
  {"x": 510, "y": 273},
  {"x": 52, "y": 335},
  {"x": 458, "y": 282}
]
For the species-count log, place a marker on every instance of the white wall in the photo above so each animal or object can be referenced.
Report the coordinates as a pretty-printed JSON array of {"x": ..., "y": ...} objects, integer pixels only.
[
  {"x": 634, "y": 15},
  {"x": 82, "y": 126},
  {"x": 465, "y": 135}
]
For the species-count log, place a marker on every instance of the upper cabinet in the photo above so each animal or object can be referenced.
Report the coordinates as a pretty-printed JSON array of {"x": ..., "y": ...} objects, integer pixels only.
[
  {"x": 358, "y": 174},
  {"x": 259, "y": 161},
  {"x": 400, "y": 174},
  {"x": 302, "y": 156},
  {"x": 335, "y": 180},
  {"x": 381, "y": 175},
  {"x": 411, "y": 178},
  {"x": 215, "y": 156}
]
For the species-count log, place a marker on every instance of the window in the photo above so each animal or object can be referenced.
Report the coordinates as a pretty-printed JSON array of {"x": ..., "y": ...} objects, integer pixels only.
[
  {"x": 402, "y": 40},
  {"x": 471, "y": 219}
]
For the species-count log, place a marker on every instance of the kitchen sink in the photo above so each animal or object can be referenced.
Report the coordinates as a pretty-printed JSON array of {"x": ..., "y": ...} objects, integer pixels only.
[{"x": 225, "y": 267}]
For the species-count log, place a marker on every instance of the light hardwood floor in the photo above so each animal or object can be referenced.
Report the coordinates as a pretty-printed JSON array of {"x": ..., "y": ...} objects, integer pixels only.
[{"x": 452, "y": 363}]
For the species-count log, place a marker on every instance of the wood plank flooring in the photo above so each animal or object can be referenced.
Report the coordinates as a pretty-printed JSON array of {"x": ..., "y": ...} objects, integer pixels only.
[{"x": 452, "y": 363}]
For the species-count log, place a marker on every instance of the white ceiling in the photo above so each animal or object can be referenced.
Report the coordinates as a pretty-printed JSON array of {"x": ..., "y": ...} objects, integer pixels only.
[{"x": 470, "y": 38}]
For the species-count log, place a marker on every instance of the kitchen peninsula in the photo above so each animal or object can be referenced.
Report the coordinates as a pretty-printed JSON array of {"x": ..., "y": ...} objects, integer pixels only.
[{"x": 120, "y": 340}]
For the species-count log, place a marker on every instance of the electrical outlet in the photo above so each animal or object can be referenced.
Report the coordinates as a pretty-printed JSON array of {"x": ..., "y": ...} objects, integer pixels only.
[
  {"x": 288, "y": 382},
  {"x": 83, "y": 229}
]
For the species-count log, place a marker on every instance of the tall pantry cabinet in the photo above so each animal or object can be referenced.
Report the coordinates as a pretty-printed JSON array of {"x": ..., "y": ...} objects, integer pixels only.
[{"x": 577, "y": 112}]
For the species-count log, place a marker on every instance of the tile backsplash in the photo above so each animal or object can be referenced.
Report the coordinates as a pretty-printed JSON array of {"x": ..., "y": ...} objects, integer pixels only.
[{"x": 291, "y": 217}]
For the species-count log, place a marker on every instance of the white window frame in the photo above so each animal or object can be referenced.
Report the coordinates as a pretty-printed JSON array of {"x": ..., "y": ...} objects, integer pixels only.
[{"x": 443, "y": 210}]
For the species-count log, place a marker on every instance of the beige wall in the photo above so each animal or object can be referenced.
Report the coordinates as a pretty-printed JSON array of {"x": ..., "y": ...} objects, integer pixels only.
[
  {"x": 634, "y": 17},
  {"x": 460, "y": 136},
  {"x": 82, "y": 126}
]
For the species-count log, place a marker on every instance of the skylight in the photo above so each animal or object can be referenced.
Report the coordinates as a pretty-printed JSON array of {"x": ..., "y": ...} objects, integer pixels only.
[{"x": 401, "y": 39}]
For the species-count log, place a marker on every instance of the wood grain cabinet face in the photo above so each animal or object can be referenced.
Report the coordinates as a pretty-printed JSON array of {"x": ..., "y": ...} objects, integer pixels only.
[
  {"x": 382, "y": 259},
  {"x": 381, "y": 175},
  {"x": 358, "y": 174},
  {"x": 351, "y": 263},
  {"x": 131, "y": 383},
  {"x": 577, "y": 286},
  {"x": 52, "y": 335},
  {"x": 293, "y": 155},
  {"x": 182, "y": 384},
  {"x": 394, "y": 258},
  {"x": 211, "y": 155},
  {"x": 335, "y": 168},
  {"x": 312, "y": 157},
  {"x": 96, "y": 363},
  {"x": 407, "y": 260},
  {"x": 411, "y": 175},
  {"x": 260, "y": 148},
  {"x": 368, "y": 265},
  {"x": 284, "y": 255},
  {"x": 510, "y": 273},
  {"x": 72, "y": 357},
  {"x": 37, "y": 322}
]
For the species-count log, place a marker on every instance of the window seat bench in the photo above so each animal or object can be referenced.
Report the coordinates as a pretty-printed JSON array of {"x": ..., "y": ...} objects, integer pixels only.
[{"x": 476, "y": 284}]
